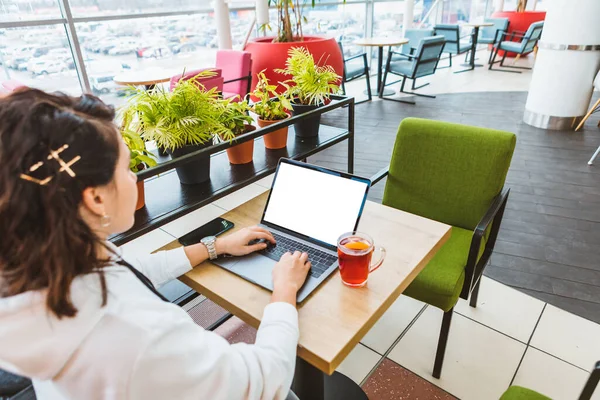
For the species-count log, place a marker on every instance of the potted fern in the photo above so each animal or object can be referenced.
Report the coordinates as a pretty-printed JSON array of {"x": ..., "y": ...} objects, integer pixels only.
[
  {"x": 140, "y": 159},
  {"x": 310, "y": 86},
  {"x": 271, "y": 108},
  {"x": 235, "y": 121},
  {"x": 181, "y": 122}
]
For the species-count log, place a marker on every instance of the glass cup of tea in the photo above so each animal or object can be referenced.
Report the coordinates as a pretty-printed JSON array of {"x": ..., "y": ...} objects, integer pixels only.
[{"x": 355, "y": 250}]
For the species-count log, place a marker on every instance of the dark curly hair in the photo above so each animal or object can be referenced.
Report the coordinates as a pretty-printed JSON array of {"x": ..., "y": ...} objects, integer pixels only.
[{"x": 45, "y": 242}]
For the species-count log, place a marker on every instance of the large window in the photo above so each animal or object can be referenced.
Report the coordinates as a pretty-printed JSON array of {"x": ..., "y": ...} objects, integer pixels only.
[{"x": 42, "y": 41}]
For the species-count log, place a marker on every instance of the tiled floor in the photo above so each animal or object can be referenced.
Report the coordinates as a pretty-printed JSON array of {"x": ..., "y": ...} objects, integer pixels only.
[{"x": 510, "y": 338}]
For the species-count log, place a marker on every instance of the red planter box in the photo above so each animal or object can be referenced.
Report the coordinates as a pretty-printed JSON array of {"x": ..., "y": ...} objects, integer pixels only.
[
  {"x": 519, "y": 21},
  {"x": 268, "y": 55}
]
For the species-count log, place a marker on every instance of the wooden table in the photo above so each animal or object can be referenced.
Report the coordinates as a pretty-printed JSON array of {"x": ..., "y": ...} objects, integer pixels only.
[
  {"x": 148, "y": 78},
  {"x": 380, "y": 43},
  {"x": 334, "y": 318},
  {"x": 476, "y": 25}
]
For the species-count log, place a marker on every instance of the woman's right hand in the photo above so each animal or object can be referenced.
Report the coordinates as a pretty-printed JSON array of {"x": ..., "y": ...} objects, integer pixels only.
[{"x": 289, "y": 275}]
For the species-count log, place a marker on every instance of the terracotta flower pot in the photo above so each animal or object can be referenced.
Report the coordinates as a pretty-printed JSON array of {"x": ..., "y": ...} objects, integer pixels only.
[
  {"x": 242, "y": 153},
  {"x": 274, "y": 140},
  {"x": 141, "y": 199},
  {"x": 270, "y": 56}
]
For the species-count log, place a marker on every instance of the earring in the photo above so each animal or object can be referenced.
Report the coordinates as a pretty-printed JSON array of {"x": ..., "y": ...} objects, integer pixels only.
[{"x": 105, "y": 221}]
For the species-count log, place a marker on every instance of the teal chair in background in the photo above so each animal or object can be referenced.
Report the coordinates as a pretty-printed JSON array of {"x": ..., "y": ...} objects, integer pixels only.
[
  {"x": 453, "y": 174},
  {"x": 414, "y": 37},
  {"x": 521, "y": 393},
  {"x": 492, "y": 34},
  {"x": 527, "y": 43},
  {"x": 454, "y": 43}
]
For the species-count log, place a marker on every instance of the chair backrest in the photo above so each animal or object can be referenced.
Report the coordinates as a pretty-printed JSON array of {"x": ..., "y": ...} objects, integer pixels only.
[
  {"x": 414, "y": 37},
  {"x": 191, "y": 74},
  {"x": 452, "y": 34},
  {"x": 488, "y": 33},
  {"x": 428, "y": 55},
  {"x": 532, "y": 36},
  {"x": 235, "y": 64},
  {"x": 447, "y": 172}
]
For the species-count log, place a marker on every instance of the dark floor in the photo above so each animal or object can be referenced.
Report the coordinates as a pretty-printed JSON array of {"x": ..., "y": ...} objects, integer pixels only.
[{"x": 549, "y": 242}]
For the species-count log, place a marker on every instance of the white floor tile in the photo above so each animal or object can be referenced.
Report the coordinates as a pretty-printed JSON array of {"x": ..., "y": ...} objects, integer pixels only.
[
  {"x": 479, "y": 362},
  {"x": 504, "y": 309},
  {"x": 551, "y": 377},
  {"x": 266, "y": 182},
  {"x": 359, "y": 363},
  {"x": 147, "y": 243},
  {"x": 193, "y": 220},
  {"x": 568, "y": 337},
  {"x": 240, "y": 196},
  {"x": 392, "y": 323}
]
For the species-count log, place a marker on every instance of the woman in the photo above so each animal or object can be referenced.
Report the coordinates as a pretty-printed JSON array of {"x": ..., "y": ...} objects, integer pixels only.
[{"x": 79, "y": 320}]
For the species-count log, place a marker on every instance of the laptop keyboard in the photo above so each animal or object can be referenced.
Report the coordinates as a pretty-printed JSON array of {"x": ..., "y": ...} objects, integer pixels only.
[{"x": 319, "y": 260}]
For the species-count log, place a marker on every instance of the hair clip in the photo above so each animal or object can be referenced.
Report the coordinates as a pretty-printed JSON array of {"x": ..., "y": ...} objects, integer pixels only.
[{"x": 64, "y": 166}]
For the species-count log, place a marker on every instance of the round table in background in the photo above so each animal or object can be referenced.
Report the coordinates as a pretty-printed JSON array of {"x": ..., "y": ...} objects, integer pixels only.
[
  {"x": 148, "y": 78},
  {"x": 380, "y": 43},
  {"x": 476, "y": 25}
]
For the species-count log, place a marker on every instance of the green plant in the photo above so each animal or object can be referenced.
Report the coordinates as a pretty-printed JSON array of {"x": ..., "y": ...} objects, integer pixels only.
[
  {"x": 310, "y": 83},
  {"x": 187, "y": 116},
  {"x": 233, "y": 117},
  {"x": 140, "y": 157},
  {"x": 271, "y": 106},
  {"x": 290, "y": 19}
]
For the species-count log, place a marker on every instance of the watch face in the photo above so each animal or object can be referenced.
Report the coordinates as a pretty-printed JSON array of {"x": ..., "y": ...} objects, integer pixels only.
[{"x": 208, "y": 239}]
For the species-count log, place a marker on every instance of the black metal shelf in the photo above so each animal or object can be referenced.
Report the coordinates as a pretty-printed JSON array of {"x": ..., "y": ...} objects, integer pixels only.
[{"x": 167, "y": 199}]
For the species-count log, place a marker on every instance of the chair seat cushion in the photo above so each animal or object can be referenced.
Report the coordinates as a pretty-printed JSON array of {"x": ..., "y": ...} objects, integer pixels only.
[
  {"x": 402, "y": 67},
  {"x": 465, "y": 46},
  {"x": 514, "y": 47},
  {"x": 441, "y": 281},
  {"x": 521, "y": 393},
  {"x": 355, "y": 69}
]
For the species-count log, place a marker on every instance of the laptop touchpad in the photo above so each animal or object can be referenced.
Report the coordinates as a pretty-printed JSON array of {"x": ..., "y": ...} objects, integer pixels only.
[{"x": 256, "y": 268}]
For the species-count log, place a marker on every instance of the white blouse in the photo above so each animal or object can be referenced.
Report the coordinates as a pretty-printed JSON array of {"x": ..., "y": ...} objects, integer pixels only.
[{"x": 140, "y": 347}]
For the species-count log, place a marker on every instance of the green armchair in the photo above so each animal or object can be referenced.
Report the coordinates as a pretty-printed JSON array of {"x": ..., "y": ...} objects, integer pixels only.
[
  {"x": 521, "y": 393},
  {"x": 453, "y": 174}
]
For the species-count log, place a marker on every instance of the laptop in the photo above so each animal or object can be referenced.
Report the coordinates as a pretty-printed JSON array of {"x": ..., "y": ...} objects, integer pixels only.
[{"x": 308, "y": 208}]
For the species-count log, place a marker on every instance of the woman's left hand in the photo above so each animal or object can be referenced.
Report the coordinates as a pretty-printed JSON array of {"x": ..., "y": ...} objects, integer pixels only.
[{"x": 237, "y": 244}]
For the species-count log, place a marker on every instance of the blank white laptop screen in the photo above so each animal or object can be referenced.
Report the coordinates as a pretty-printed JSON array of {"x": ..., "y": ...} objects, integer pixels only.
[{"x": 316, "y": 204}]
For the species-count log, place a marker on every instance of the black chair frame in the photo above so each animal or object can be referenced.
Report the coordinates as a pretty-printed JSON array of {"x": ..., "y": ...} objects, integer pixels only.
[
  {"x": 409, "y": 57},
  {"x": 591, "y": 384},
  {"x": 366, "y": 74},
  {"x": 474, "y": 269},
  {"x": 496, "y": 48}
]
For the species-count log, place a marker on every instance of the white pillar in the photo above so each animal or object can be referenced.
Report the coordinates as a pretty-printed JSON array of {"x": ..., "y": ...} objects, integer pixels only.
[
  {"x": 223, "y": 24},
  {"x": 262, "y": 12},
  {"x": 499, "y": 5},
  {"x": 473, "y": 11},
  {"x": 567, "y": 61},
  {"x": 409, "y": 15}
]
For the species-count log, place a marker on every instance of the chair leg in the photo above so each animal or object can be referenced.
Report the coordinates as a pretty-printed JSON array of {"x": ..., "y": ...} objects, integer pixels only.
[
  {"x": 467, "y": 56},
  {"x": 474, "y": 294},
  {"x": 368, "y": 78},
  {"x": 516, "y": 59},
  {"x": 450, "y": 60},
  {"x": 596, "y": 104},
  {"x": 443, "y": 340},
  {"x": 591, "y": 162},
  {"x": 343, "y": 87},
  {"x": 385, "y": 74}
]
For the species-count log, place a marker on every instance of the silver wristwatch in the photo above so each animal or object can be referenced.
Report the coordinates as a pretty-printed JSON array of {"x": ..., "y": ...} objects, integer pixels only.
[{"x": 209, "y": 242}]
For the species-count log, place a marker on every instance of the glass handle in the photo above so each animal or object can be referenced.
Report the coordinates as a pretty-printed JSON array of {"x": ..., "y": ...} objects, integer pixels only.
[{"x": 380, "y": 261}]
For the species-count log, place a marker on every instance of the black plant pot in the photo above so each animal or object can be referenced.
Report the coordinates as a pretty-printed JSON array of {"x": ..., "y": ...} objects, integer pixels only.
[
  {"x": 309, "y": 127},
  {"x": 196, "y": 171}
]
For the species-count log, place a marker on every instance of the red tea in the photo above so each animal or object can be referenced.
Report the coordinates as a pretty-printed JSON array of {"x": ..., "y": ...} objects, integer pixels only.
[{"x": 354, "y": 256}]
